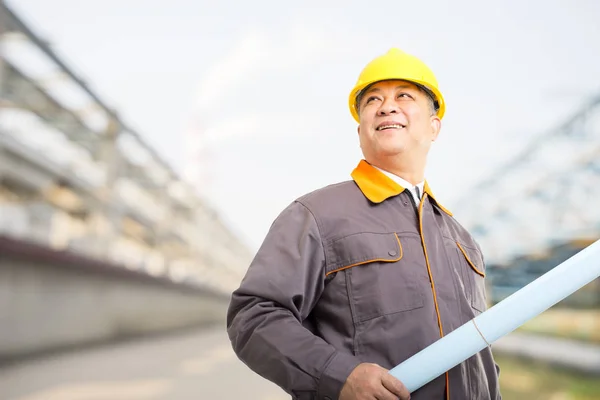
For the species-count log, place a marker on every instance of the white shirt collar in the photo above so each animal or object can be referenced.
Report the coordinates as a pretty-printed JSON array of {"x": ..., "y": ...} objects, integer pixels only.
[{"x": 405, "y": 184}]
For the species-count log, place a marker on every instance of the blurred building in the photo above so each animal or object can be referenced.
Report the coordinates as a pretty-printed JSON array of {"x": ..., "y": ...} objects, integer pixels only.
[{"x": 74, "y": 176}]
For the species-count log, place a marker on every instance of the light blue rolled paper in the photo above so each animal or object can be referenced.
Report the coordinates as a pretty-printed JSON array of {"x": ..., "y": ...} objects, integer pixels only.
[{"x": 501, "y": 319}]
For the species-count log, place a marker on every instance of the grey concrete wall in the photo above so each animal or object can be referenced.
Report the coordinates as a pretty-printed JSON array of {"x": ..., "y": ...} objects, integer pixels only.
[{"x": 50, "y": 300}]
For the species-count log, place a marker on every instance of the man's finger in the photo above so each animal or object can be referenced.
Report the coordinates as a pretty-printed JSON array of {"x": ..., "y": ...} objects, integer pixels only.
[
  {"x": 385, "y": 394},
  {"x": 395, "y": 386}
]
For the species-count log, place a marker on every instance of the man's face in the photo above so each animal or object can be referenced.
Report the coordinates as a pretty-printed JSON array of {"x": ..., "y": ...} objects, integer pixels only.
[{"x": 395, "y": 118}]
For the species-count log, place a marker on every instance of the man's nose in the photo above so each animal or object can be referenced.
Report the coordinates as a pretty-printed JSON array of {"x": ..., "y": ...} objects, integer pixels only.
[{"x": 388, "y": 106}]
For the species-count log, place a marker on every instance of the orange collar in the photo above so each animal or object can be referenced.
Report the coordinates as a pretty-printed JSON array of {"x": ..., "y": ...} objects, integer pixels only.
[{"x": 377, "y": 187}]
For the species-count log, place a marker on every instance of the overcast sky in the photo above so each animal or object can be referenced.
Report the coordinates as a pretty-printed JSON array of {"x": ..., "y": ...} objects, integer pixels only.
[{"x": 249, "y": 99}]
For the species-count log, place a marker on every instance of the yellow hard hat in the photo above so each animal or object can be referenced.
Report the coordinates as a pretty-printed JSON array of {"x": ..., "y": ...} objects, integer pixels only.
[{"x": 396, "y": 64}]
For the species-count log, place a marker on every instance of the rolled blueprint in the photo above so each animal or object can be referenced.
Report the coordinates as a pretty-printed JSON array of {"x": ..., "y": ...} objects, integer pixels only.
[{"x": 501, "y": 319}]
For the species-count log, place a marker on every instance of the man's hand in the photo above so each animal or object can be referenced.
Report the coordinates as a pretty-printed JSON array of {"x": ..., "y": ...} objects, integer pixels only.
[{"x": 370, "y": 381}]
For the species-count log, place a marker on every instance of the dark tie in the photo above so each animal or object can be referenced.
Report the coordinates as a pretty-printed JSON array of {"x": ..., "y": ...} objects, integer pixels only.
[{"x": 418, "y": 193}]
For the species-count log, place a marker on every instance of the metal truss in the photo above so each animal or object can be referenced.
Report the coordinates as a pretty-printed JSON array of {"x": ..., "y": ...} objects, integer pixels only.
[{"x": 544, "y": 196}]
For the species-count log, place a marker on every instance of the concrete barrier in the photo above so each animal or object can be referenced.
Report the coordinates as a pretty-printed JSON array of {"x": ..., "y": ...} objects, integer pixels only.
[{"x": 53, "y": 299}]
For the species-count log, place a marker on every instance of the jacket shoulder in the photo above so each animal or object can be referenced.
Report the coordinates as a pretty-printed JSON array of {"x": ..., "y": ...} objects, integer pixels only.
[
  {"x": 331, "y": 197},
  {"x": 335, "y": 207}
]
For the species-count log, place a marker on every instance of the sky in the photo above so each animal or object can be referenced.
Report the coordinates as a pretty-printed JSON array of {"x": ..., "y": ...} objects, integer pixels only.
[{"x": 248, "y": 100}]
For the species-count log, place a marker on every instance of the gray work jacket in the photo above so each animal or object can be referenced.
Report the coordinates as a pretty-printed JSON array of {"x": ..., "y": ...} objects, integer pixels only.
[{"x": 357, "y": 272}]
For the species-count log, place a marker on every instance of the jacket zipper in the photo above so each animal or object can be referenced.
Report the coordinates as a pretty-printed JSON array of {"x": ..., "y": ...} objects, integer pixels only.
[{"x": 437, "y": 311}]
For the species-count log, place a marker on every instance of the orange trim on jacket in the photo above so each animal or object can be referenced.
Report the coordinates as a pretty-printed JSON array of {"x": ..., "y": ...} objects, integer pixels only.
[{"x": 377, "y": 187}]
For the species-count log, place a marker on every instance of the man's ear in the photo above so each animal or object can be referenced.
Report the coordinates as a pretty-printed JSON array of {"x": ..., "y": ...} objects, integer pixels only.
[
  {"x": 436, "y": 126},
  {"x": 358, "y": 130}
]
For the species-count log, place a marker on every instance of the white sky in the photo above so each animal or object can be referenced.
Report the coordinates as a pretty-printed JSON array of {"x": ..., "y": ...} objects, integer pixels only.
[{"x": 254, "y": 94}]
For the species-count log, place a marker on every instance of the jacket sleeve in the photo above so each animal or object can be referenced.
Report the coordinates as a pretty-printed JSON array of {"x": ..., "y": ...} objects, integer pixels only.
[{"x": 264, "y": 320}]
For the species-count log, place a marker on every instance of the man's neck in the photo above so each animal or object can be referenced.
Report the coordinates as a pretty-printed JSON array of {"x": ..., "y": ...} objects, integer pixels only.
[{"x": 413, "y": 175}]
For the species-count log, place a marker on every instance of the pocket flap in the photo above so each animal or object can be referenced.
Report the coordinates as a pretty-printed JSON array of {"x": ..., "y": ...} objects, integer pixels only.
[
  {"x": 362, "y": 248},
  {"x": 474, "y": 258}
]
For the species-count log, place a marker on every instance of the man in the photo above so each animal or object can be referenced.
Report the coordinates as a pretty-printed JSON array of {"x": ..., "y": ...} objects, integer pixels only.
[{"x": 356, "y": 277}]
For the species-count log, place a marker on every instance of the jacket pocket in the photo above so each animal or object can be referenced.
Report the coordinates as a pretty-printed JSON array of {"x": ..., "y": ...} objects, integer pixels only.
[
  {"x": 378, "y": 280},
  {"x": 473, "y": 269}
]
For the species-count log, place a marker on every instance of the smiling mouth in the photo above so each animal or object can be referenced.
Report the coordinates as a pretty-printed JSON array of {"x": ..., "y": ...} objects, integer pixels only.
[{"x": 391, "y": 126}]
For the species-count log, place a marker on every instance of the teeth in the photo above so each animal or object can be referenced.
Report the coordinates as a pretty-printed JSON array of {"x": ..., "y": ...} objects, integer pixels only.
[{"x": 389, "y": 126}]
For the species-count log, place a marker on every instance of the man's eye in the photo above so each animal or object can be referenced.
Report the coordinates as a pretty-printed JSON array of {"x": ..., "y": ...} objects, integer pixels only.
[
  {"x": 405, "y": 95},
  {"x": 371, "y": 98}
]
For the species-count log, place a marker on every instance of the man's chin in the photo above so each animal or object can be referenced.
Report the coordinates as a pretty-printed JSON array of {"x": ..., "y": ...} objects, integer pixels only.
[
  {"x": 383, "y": 154},
  {"x": 392, "y": 151}
]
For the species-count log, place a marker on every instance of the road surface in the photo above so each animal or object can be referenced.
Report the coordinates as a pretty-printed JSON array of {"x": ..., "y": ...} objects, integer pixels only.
[{"x": 197, "y": 365}]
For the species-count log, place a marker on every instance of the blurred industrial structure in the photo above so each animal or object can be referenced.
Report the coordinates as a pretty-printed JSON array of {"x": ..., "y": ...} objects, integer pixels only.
[
  {"x": 74, "y": 176},
  {"x": 99, "y": 237},
  {"x": 540, "y": 208}
]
